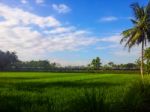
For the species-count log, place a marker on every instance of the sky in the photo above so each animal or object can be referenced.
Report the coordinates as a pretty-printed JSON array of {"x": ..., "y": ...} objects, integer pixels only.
[{"x": 69, "y": 32}]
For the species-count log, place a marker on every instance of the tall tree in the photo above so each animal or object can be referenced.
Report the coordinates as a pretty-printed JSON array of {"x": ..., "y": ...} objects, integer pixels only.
[
  {"x": 140, "y": 32},
  {"x": 96, "y": 63},
  {"x": 7, "y": 59},
  {"x": 111, "y": 64}
]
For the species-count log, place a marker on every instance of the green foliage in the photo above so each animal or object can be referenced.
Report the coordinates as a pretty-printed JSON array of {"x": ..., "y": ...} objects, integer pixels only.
[
  {"x": 89, "y": 101},
  {"x": 33, "y": 65},
  {"x": 7, "y": 59},
  {"x": 147, "y": 59},
  {"x": 71, "y": 92},
  {"x": 10, "y": 62},
  {"x": 140, "y": 32},
  {"x": 96, "y": 63},
  {"x": 147, "y": 54},
  {"x": 111, "y": 64},
  {"x": 138, "y": 62},
  {"x": 136, "y": 98},
  {"x": 23, "y": 103},
  {"x": 126, "y": 67}
]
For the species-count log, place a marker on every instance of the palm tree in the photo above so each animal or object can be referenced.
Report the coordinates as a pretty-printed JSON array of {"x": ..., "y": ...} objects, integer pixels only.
[{"x": 140, "y": 32}]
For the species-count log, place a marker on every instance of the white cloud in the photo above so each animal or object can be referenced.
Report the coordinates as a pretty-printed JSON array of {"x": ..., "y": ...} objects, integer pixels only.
[
  {"x": 19, "y": 34},
  {"x": 16, "y": 16},
  {"x": 121, "y": 55},
  {"x": 61, "y": 8},
  {"x": 113, "y": 18},
  {"x": 118, "y": 53},
  {"x": 108, "y": 19},
  {"x": 108, "y": 47},
  {"x": 126, "y": 53},
  {"x": 39, "y": 1},
  {"x": 114, "y": 39},
  {"x": 26, "y": 41},
  {"x": 24, "y": 1},
  {"x": 60, "y": 30}
]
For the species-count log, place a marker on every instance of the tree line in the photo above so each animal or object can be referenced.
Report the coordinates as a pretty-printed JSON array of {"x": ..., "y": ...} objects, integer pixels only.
[
  {"x": 97, "y": 64},
  {"x": 9, "y": 62}
]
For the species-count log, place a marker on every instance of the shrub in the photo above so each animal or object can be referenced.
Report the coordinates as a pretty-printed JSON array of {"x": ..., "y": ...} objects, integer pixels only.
[
  {"x": 136, "y": 99},
  {"x": 89, "y": 101}
]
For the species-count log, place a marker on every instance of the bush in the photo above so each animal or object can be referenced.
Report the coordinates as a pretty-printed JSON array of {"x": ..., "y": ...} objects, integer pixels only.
[
  {"x": 19, "y": 103},
  {"x": 89, "y": 101},
  {"x": 136, "y": 99}
]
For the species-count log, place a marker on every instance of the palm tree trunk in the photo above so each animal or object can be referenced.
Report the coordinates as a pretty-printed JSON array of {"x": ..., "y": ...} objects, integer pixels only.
[{"x": 142, "y": 60}]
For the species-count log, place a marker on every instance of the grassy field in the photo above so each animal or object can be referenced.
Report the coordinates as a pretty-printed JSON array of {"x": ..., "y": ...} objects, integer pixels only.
[{"x": 68, "y": 92}]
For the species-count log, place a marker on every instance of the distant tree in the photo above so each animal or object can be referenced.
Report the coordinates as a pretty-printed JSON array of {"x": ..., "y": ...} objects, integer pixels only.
[
  {"x": 96, "y": 63},
  {"x": 93, "y": 63},
  {"x": 121, "y": 66},
  {"x": 35, "y": 65},
  {"x": 111, "y": 64},
  {"x": 140, "y": 32},
  {"x": 106, "y": 67},
  {"x": 45, "y": 64},
  {"x": 7, "y": 59},
  {"x": 54, "y": 65},
  {"x": 130, "y": 66}
]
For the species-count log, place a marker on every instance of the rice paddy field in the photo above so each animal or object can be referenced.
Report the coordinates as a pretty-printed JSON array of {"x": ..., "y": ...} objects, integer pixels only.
[{"x": 72, "y": 92}]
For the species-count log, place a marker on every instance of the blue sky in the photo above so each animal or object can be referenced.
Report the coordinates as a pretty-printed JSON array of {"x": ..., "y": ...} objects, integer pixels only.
[{"x": 70, "y": 32}]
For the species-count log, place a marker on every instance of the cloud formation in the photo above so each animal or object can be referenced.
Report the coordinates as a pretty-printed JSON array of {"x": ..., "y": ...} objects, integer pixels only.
[
  {"x": 61, "y": 8},
  {"x": 113, "y": 38},
  {"x": 24, "y": 1},
  {"x": 33, "y": 36},
  {"x": 108, "y": 19},
  {"x": 113, "y": 18},
  {"x": 16, "y": 16},
  {"x": 36, "y": 37},
  {"x": 39, "y": 1}
]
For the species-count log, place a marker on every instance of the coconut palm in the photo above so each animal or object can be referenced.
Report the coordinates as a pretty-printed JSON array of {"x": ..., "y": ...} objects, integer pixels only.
[{"x": 140, "y": 32}]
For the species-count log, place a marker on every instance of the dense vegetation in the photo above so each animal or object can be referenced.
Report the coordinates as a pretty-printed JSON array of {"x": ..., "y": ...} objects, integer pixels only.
[
  {"x": 80, "y": 92},
  {"x": 73, "y": 92},
  {"x": 7, "y": 59},
  {"x": 9, "y": 62}
]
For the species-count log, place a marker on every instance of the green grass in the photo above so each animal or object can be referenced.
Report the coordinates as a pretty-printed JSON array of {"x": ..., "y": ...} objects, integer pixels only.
[{"x": 68, "y": 92}]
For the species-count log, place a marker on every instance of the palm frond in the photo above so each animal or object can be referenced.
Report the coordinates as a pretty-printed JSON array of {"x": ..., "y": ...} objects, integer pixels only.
[
  {"x": 147, "y": 9},
  {"x": 126, "y": 34},
  {"x": 148, "y": 36},
  {"x": 133, "y": 39},
  {"x": 140, "y": 32},
  {"x": 134, "y": 21},
  {"x": 138, "y": 11},
  {"x": 136, "y": 37}
]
